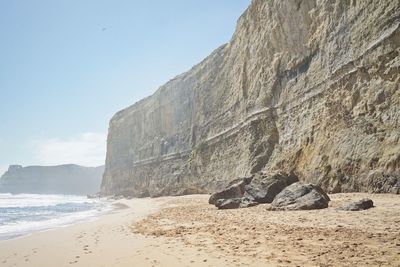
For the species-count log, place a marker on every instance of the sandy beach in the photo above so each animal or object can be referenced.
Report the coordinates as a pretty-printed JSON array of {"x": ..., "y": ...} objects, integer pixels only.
[
  {"x": 186, "y": 231},
  {"x": 108, "y": 241}
]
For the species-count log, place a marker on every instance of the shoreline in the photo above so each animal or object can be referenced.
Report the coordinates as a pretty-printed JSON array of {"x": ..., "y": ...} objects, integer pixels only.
[
  {"x": 109, "y": 209},
  {"x": 69, "y": 219},
  {"x": 187, "y": 231},
  {"x": 107, "y": 241},
  {"x": 33, "y": 249}
]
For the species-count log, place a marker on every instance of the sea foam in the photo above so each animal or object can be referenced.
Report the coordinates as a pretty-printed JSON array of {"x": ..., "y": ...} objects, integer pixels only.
[{"x": 23, "y": 214}]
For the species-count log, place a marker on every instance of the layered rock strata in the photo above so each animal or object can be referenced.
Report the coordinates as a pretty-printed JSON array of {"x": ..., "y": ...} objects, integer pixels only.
[{"x": 310, "y": 87}]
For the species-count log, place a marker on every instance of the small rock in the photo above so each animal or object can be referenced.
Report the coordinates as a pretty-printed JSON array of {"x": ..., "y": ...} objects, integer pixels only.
[{"x": 362, "y": 204}]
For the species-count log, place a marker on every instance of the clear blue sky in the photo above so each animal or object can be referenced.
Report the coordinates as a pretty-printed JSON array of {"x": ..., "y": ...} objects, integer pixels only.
[{"x": 66, "y": 66}]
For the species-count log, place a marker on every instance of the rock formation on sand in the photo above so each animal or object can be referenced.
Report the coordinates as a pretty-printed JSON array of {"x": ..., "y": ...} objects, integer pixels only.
[
  {"x": 63, "y": 179},
  {"x": 235, "y": 189},
  {"x": 264, "y": 188},
  {"x": 362, "y": 204},
  {"x": 309, "y": 87},
  {"x": 299, "y": 196},
  {"x": 283, "y": 191}
]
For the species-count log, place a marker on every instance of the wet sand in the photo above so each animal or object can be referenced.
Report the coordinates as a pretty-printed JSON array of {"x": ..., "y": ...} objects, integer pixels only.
[
  {"x": 107, "y": 241},
  {"x": 186, "y": 231}
]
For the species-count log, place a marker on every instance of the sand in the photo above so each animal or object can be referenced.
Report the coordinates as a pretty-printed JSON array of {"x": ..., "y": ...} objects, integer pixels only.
[
  {"x": 258, "y": 237},
  {"x": 186, "y": 231},
  {"x": 108, "y": 241}
]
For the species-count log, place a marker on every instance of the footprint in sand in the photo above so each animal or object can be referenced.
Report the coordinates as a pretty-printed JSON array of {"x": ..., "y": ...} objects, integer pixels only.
[{"x": 86, "y": 249}]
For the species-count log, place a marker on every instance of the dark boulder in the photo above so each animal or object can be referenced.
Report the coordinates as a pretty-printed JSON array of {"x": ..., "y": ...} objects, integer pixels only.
[
  {"x": 362, "y": 204},
  {"x": 299, "y": 196},
  {"x": 235, "y": 189},
  {"x": 234, "y": 203},
  {"x": 264, "y": 188}
]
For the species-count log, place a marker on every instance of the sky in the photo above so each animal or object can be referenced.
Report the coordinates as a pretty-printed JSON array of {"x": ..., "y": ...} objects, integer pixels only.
[{"x": 67, "y": 66}]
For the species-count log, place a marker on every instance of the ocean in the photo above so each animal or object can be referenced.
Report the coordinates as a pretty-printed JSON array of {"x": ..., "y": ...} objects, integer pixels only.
[{"x": 22, "y": 214}]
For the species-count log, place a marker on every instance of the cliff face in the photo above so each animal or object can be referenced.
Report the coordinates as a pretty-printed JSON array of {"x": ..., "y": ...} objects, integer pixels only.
[
  {"x": 63, "y": 179},
  {"x": 304, "y": 86}
]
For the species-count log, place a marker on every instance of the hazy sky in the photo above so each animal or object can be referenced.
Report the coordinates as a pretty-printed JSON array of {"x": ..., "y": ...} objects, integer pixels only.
[{"x": 66, "y": 66}]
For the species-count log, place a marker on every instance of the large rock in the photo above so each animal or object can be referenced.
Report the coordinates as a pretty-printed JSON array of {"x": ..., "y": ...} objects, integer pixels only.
[
  {"x": 362, "y": 204},
  {"x": 264, "y": 188},
  {"x": 306, "y": 85},
  {"x": 235, "y": 189},
  {"x": 299, "y": 196}
]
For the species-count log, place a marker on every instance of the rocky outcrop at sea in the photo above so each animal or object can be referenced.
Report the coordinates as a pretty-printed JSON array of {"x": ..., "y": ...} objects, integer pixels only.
[{"x": 67, "y": 179}]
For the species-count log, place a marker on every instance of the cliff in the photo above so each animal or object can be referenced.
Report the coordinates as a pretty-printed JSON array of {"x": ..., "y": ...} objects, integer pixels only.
[
  {"x": 304, "y": 86},
  {"x": 63, "y": 179}
]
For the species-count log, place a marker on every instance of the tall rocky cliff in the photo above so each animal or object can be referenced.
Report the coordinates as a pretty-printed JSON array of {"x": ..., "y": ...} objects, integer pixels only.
[
  {"x": 63, "y": 179},
  {"x": 305, "y": 86}
]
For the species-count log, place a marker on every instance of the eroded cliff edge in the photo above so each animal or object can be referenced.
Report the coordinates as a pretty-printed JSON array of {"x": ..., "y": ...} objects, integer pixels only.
[
  {"x": 67, "y": 179},
  {"x": 304, "y": 86}
]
